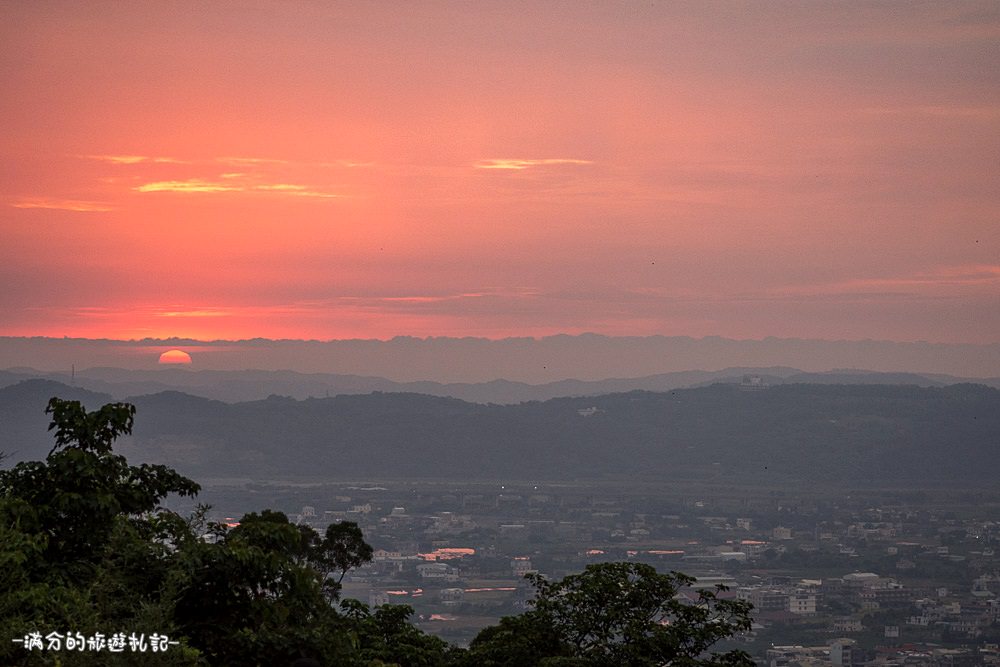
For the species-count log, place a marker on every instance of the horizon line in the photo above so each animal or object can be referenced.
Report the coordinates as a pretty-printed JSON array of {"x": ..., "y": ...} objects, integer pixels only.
[{"x": 406, "y": 337}]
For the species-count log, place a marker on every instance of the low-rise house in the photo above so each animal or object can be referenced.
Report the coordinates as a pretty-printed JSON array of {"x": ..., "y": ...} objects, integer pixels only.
[
  {"x": 438, "y": 570},
  {"x": 847, "y": 624}
]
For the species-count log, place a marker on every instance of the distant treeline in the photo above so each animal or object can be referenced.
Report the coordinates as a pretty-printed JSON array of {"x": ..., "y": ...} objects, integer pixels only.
[{"x": 850, "y": 434}]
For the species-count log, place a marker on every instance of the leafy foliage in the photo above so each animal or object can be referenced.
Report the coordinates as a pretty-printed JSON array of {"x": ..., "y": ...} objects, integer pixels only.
[
  {"x": 84, "y": 543},
  {"x": 89, "y": 431},
  {"x": 384, "y": 636},
  {"x": 251, "y": 595},
  {"x": 75, "y": 499},
  {"x": 616, "y": 614},
  {"x": 343, "y": 548}
]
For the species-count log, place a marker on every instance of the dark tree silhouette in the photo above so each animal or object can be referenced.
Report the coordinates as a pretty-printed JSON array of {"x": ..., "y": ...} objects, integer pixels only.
[{"x": 624, "y": 614}]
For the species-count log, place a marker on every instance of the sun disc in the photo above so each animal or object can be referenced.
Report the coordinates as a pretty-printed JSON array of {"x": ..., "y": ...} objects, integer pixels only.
[{"x": 175, "y": 357}]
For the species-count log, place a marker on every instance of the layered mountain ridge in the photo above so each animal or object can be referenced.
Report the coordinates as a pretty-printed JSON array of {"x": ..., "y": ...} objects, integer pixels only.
[{"x": 860, "y": 434}]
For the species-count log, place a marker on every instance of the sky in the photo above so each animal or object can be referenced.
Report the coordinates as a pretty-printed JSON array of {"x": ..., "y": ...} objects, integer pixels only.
[{"x": 314, "y": 170}]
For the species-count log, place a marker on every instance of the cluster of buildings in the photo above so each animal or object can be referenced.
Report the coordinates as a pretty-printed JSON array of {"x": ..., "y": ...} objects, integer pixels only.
[
  {"x": 832, "y": 580},
  {"x": 846, "y": 652}
]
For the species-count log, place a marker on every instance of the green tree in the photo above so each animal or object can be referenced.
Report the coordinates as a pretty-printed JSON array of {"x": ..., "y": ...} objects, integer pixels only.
[
  {"x": 77, "y": 495},
  {"x": 342, "y": 548},
  {"x": 251, "y": 597},
  {"x": 615, "y": 614},
  {"x": 84, "y": 544},
  {"x": 384, "y": 636},
  {"x": 525, "y": 639}
]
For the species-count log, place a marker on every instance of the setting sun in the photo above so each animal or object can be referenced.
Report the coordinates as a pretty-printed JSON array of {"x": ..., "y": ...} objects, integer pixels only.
[{"x": 175, "y": 357}]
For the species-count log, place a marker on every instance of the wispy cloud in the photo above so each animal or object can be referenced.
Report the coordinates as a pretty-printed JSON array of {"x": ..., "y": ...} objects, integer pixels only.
[
  {"x": 482, "y": 300},
  {"x": 971, "y": 275},
  {"x": 234, "y": 161},
  {"x": 518, "y": 165},
  {"x": 270, "y": 161},
  {"x": 349, "y": 164},
  {"x": 135, "y": 159},
  {"x": 195, "y": 312},
  {"x": 188, "y": 186},
  {"x": 432, "y": 298},
  {"x": 941, "y": 282},
  {"x": 232, "y": 184},
  {"x": 281, "y": 187},
  {"x": 77, "y": 205},
  {"x": 250, "y": 161},
  {"x": 315, "y": 194},
  {"x": 248, "y": 174},
  {"x": 293, "y": 189},
  {"x": 81, "y": 311},
  {"x": 179, "y": 312}
]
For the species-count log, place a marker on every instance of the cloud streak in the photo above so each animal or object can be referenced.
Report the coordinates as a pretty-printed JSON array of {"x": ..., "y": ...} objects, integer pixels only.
[
  {"x": 76, "y": 205},
  {"x": 134, "y": 159},
  {"x": 199, "y": 312},
  {"x": 520, "y": 165},
  {"x": 250, "y": 161},
  {"x": 196, "y": 185},
  {"x": 942, "y": 282},
  {"x": 255, "y": 175},
  {"x": 231, "y": 184}
]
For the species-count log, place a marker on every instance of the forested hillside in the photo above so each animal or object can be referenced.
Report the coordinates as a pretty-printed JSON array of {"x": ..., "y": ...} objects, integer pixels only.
[{"x": 865, "y": 434}]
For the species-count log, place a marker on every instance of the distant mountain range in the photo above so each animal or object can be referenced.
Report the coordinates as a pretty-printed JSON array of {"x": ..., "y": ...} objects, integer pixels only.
[
  {"x": 250, "y": 385},
  {"x": 860, "y": 434},
  {"x": 587, "y": 356}
]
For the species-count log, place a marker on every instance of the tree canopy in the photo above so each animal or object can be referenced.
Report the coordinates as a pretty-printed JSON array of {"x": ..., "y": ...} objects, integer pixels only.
[{"x": 616, "y": 614}]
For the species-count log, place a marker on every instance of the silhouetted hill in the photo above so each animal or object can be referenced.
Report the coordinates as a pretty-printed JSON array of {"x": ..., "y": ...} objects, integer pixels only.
[
  {"x": 851, "y": 434},
  {"x": 868, "y": 377},
  {"x": 251, "y": 385},
  {"x": 23, "y": 422}
]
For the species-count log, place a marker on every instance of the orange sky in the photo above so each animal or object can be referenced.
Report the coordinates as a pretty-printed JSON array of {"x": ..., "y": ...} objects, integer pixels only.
[{"x": 305, "y": 170}]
